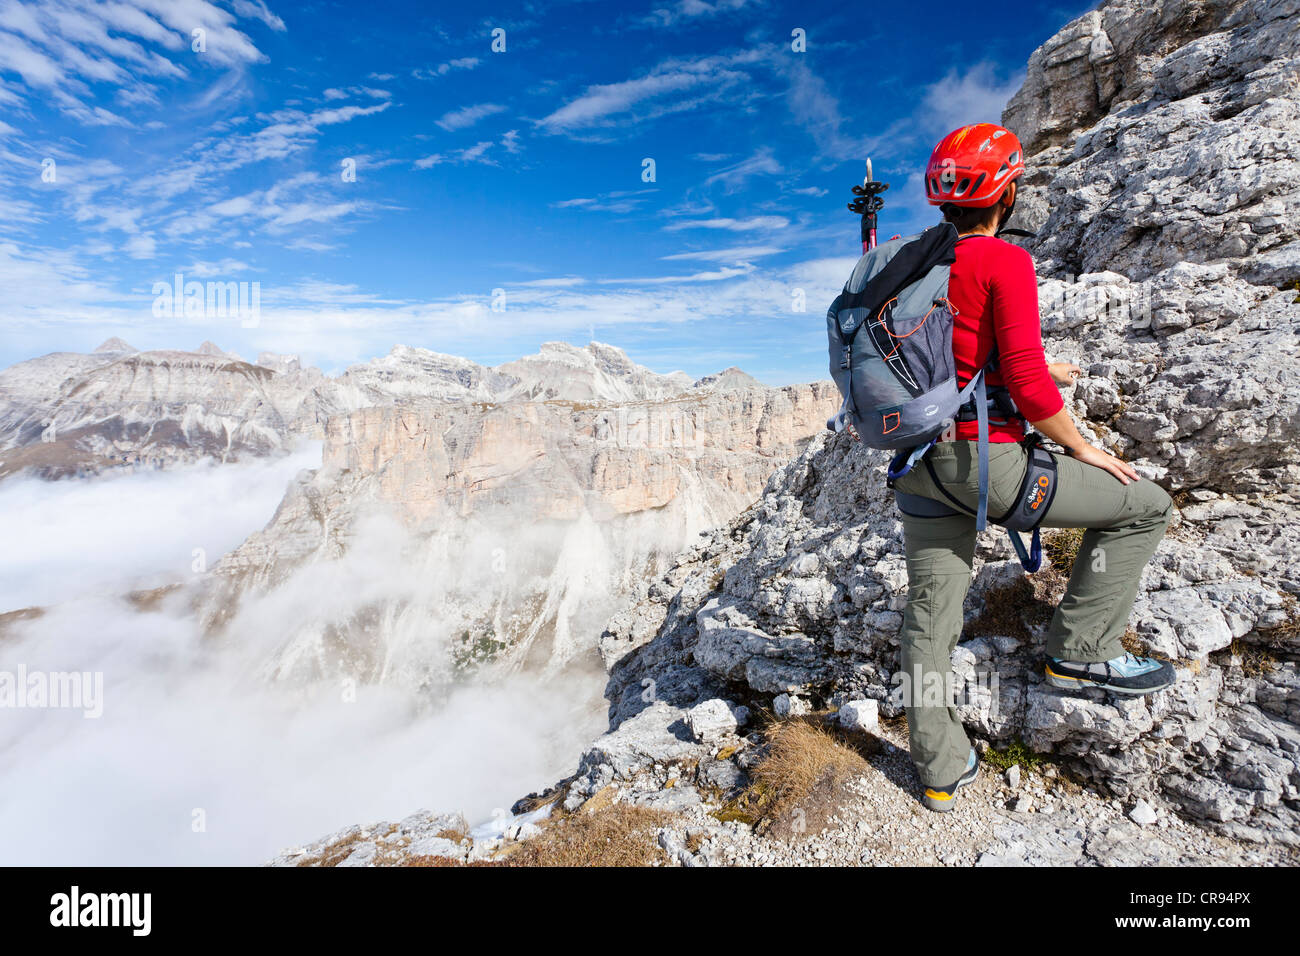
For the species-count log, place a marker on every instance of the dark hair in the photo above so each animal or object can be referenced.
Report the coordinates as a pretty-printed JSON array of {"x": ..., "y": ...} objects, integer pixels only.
[{"x": 967, "y": 218}]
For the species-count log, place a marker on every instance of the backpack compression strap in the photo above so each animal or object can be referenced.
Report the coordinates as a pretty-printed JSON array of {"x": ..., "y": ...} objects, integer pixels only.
[{"x": 904, "y": 461}]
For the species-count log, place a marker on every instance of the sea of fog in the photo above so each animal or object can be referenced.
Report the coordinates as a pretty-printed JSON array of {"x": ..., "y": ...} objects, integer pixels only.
[{"x": 187, "y": 755}]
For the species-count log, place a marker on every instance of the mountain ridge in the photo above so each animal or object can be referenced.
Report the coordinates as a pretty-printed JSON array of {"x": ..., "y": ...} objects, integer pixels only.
[{"x": 69, "y": 413}]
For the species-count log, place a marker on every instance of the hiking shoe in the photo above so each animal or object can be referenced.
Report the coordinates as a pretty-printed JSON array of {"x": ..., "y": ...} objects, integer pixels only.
[
  {"x": 940, "y": 799},
  {"x": 1122, "y": 675}
]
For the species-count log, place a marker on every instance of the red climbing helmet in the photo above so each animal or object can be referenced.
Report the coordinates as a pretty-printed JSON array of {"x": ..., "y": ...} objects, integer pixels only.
[{"x": 971, "y": 166}]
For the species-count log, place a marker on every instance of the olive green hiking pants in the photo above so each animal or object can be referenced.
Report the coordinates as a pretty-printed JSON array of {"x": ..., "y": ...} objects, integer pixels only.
[{"x": 1124, "y": 524}]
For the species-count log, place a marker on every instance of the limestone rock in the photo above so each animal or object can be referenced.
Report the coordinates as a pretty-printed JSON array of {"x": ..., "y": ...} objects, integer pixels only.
[
  {"x": 863, "y": 715},
  {"x": 1142, "y": 814},
  {"x": 711, "y": 720},
  {"x": 523, "y": 527},
  {"x": 788, "y": 705}
]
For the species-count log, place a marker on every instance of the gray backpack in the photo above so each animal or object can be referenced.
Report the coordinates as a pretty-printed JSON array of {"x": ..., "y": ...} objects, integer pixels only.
[{"x": 890, "y": 339}]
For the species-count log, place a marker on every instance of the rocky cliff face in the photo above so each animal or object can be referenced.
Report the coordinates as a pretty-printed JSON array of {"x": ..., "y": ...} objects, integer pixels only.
[
  {"x": 559, "y": 459},
  {"x": 1161, "y": 133},
  {"x": 1163, "y": 185},
  {"x": 67, "y": 413},
  {"x": 1159, "y": 138},
  {"x": 596, "y": 372},
  {"x": 509, "y": 531}
]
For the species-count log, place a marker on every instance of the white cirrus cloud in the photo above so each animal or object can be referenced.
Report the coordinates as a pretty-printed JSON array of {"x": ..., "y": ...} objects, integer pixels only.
[
  {"x": 733, "y": 254},
  {"x": 751, "y": 224},
  {"x": 977, "y": 95},
  {"x": 467, "y": 116},
  {"x": 619, "y": 201},
  {"x": 687, "y": 10},
  {"x": 670, "y": 87},
  {"x": 735, "y": 176},
  {"x": 442, "y": 69},
  {"x": 64, "y": 49},
  {"x": 478, "y": 153}
]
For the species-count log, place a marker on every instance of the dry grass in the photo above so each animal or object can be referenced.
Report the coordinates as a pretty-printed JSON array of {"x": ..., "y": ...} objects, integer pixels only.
[
  {"x": 1008, "y": 610},
  {"x": 608, "y": 834},
  {"x": 442, "y": 861},
  {"x": 602, "y": 834},
  {"x": 457, "y": 834},
  {"x": 1286, "y": 632},
  {"x": 1028, "y": 601},
  {"x": 386, "y": 855},
  {"x": 800, "y": 781},
  {"x": 616, "y": 835},
  {"x": 1133, "y": 644},
  {"x": 1257, "y": 660},
  {"x": 1061, "y": 545},
  {"x": 335, "y": 853}
]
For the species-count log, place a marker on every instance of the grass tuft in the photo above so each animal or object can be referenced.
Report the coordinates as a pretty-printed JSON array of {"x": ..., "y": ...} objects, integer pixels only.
[
  {"x": 616, "y": 835},
  {"x": 1289, "y": 629},
  {"x": 1027, "y": 602},
  {"x": 1257, "y": 660},
  {"x": 1133, "y": 643},
  {"x": 441, "y": 861},
  {"x": 798, "y": 784},
  {"x": 1061, "y": 545}
]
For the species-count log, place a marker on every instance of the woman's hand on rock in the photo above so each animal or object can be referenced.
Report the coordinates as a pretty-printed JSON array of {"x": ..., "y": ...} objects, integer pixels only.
[{"x": 1064, "y": 373}]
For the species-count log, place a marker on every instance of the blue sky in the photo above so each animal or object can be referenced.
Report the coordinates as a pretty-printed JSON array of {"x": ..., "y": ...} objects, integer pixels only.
[{"x": 127, "y": 156}]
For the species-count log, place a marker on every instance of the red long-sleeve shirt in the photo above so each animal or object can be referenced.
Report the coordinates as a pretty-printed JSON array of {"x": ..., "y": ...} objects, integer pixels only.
[{"x": 995, "y": 292}]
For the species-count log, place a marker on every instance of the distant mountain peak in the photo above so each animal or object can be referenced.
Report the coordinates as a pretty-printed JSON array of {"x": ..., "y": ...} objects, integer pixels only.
[
  {"x": 116, "y": 345},
  {"x": 402, "y": 352},
  {"x": 209, "y": 348},
  {"x": 729, "y": 378}
]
